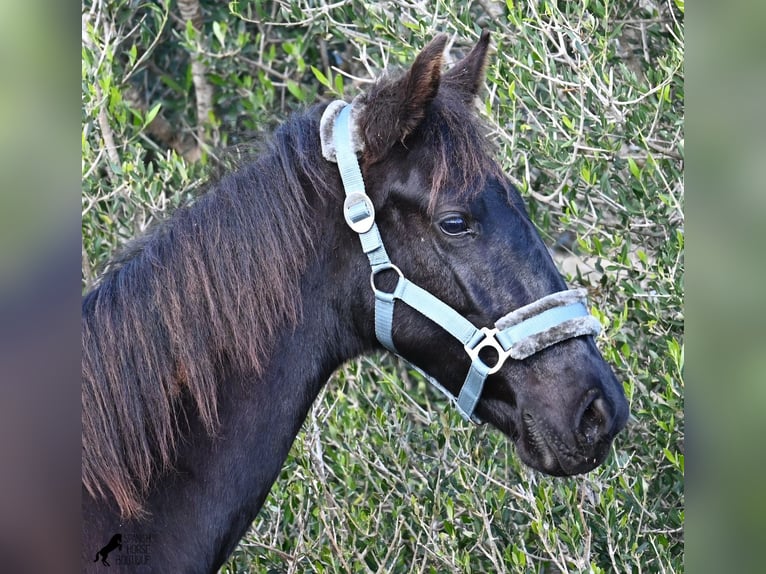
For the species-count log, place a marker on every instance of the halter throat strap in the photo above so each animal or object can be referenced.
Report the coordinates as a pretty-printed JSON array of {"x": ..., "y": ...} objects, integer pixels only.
[{"x": 517, "y": 335}]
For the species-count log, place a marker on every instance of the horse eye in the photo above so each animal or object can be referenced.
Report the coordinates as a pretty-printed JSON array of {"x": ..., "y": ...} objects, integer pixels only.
[{"x": 454, "y": 225}]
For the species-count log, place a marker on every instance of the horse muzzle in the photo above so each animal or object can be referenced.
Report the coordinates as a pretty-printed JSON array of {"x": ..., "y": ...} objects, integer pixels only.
[
  {"x": 562, "y": 408},
  {"x": 574, "y": 438}
]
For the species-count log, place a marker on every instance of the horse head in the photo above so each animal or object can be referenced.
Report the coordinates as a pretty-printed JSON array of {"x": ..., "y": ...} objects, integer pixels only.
[{"x": 453, "y": 224}]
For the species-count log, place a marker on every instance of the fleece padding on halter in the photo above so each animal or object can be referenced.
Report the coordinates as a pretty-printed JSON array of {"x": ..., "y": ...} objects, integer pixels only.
[
  {"x": 327, "y": 126},
  {"x": 517, "y": 335}
]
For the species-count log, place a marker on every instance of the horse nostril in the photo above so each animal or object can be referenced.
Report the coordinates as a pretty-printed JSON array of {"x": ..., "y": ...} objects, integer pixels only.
[{"x": 595, "y": 420}]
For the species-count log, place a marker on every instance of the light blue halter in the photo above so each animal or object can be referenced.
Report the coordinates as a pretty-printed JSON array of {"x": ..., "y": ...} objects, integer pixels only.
[{"x": 563, "y": 312}]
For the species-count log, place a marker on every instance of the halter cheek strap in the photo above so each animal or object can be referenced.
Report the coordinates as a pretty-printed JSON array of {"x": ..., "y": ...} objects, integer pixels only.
[{"x": 517, "y": 335}]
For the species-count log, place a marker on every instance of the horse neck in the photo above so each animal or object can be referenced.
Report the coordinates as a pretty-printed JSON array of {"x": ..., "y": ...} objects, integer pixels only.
[
  {"x": 198, "y": 510},
  {"x": 259, "y": 424}
]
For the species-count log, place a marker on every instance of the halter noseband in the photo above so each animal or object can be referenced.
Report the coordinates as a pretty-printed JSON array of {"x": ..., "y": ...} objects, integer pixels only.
[{"x": 519, "y": 334}]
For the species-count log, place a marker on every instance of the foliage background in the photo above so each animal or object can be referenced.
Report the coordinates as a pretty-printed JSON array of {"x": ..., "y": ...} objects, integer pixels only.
[{"x": 586, "y": 105}]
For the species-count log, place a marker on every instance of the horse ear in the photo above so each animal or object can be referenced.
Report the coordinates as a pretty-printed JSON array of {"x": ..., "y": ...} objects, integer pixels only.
[
  {"x": 468, "y": 74},
  {"x": 392, "y": 110}
]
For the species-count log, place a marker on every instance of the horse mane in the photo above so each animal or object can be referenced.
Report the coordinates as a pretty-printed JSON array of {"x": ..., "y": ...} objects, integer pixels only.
[{"x": 205, "y": 292}]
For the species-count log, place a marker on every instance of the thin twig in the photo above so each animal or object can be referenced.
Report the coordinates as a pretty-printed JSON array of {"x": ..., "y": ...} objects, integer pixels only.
[{"x": 664, "y": 151}]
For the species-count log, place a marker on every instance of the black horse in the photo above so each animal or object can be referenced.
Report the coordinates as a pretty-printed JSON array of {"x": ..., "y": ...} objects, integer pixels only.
[{"x": 206, "y": 343}]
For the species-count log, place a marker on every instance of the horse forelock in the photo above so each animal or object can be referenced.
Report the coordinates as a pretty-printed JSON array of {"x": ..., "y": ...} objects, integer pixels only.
[
  {"x": 456, "y": 148},
  {"x": 203, "y": 294},
  {"x": 465, "y": 156}
]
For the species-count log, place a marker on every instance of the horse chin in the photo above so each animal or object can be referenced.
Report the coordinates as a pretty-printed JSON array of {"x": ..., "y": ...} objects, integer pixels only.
[{"x": 541, "y": 448}]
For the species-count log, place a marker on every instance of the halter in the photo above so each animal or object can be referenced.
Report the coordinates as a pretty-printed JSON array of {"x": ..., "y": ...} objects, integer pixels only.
[{"x": 519, "y": 334}]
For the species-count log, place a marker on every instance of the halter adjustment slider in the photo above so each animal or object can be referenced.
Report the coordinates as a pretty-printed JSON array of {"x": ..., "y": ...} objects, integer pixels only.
[{"x": 359, "y": 212}]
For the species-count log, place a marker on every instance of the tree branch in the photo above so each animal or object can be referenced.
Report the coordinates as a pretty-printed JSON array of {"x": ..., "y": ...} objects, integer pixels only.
[{"x": 192, "y": 12}]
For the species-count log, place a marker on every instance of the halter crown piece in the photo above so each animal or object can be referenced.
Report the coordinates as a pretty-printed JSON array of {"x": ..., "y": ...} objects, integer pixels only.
[{"x": 519, "y": 334}]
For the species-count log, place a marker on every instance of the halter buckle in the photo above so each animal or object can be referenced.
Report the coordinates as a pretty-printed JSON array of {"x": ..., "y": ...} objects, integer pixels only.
[
  {"x": 488, "y": 340},
  {"x": 359, "y": 212}
]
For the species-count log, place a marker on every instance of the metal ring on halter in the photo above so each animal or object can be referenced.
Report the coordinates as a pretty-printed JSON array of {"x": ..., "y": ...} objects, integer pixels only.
[
  {"x": 384, "y": 295},
  {"x": 488, "y": 340}
]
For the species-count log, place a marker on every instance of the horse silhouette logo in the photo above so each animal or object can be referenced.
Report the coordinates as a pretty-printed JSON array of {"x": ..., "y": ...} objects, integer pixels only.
[{"x": 115, "y": 542}]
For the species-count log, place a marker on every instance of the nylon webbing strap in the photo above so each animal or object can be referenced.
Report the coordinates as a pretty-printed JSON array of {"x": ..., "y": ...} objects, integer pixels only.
[
  {"x": 384, "y": 321},
  {"x": 471, "y": 390},
  {"x": 426, "y": 304},
  {"x": 438, "y": 311},
  {"x": 353, "y": 183},
  {"x": 447, "y": 318},
  {"x": 345, "y": 155}
]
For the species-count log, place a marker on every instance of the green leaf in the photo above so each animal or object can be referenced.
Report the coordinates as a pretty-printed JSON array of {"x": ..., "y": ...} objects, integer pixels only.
[
  {"x": 220, "y": 29},
  {"x": 665, "y": 93},
  {"x": 320, "y": 76},
  {"x": 511, "y": 89},
  {"x": 294, "y": 88},
  {"x": 191, "y": 31},
  {"x": 634, "y": 169},
  {"x": 151, "y": 114},
  {"x": 339, "y": 87},
  {"x": 172, "y": 84}
]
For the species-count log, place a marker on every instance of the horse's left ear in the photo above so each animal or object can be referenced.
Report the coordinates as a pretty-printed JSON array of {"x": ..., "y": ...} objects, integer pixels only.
[
  {"x": 467, "y": 75},
  {"x": 392, "y": 110}
]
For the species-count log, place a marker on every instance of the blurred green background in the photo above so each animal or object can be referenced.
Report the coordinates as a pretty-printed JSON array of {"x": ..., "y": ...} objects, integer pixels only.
[{"x": 585, "y": 103}]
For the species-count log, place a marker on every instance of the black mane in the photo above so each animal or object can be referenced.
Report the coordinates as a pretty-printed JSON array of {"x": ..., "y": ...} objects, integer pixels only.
[{"x": 204, "y": 291}]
